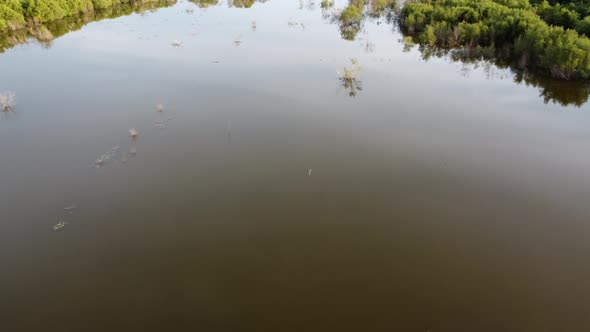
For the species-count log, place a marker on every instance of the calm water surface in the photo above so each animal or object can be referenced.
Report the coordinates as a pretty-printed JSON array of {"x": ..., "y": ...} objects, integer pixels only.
[{"x": 441, "y": 197}]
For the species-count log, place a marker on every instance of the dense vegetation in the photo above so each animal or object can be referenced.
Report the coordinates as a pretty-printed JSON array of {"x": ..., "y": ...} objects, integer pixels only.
[
  {"x": 15, "y": 14},
  {"x": 46, "y": 32},
  {"x": 550, "y": 36}
]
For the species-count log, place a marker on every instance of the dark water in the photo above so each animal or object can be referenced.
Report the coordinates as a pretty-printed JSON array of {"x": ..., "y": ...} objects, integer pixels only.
[{"x": 443, "y": 196}]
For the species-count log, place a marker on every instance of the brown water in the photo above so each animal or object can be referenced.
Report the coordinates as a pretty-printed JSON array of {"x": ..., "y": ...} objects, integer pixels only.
[{"x": 442, "y": 197}]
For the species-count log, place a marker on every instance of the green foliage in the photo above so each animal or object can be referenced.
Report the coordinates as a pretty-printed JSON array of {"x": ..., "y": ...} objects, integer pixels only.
[
  {"x": 205, "y": 3},
  {"x": 16, "y": 14},
  {"x": 242, "y": 3},
  {"x": 48, "y": 31},
  {"x": 352, "y": 13},
  {"x": 538, "y": 35},
  {"x": 381, "y": 5},
  {"x": 351, "y": 19},
  {"x": 11, "y": 14},
  {"x": 584, "y": 26}
]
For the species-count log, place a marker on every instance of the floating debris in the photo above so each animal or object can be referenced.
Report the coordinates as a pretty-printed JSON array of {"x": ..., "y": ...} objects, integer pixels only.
[
  {"x": 189, "y": 10},
  {"x": 159, "y": 108},
  {"x": 309, "y": 173},
  {"x": 177, "y": 43},
  {"x": 253, "y": 25},
  {"x": 133, "y": 133},
  {"x": 61, "y": 224},
  {"x": 71, "y": 207}
]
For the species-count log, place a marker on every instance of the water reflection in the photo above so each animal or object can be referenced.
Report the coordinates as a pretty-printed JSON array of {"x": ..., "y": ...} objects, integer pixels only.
[
  {"x": 351, "y": 18},
  {"x": 205, "y": 3},
  {"x": 44, "y": 34},
  {"x": 565, "y": 93}
]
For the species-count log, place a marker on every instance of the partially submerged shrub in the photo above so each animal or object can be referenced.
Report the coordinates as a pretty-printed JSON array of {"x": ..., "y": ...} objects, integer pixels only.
[
  {"x": 349, "y": 78},
  {"x": 7, "y": 101}
]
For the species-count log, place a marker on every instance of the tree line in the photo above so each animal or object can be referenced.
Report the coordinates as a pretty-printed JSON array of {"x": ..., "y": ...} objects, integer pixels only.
[
  {"x": 548, "y": 36},
  {"x": 17, "y": 14}
]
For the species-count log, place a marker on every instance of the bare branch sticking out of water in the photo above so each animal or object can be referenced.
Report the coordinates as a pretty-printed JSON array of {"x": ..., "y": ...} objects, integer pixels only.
[{"x": 7, "y": 101}]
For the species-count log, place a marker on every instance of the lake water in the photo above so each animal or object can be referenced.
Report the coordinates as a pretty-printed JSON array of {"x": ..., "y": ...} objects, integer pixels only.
[{"x": 270, "y": 195}]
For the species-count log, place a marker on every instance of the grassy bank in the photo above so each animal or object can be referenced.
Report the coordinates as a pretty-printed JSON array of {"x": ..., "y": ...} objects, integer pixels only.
[{"x": 534, "y": 34}]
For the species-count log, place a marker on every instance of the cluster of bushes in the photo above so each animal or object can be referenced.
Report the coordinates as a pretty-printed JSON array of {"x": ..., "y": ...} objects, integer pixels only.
[
  {"x": 353, "y": 13},
  {"x": 379, "y": 6},
  {"x": 351, "y": 17},
  {"x": 511, "y": 29},
  {"x": 15, "y": 14},
  {"x": 570, "y": 14}
]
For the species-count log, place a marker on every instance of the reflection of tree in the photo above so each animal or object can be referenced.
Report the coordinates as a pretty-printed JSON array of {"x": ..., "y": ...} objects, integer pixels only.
[
  {"x": 558, "y": 91},
  {"x": 562, "y": 92},
  {"x": 49, "y": 31},
  {"x": 243, "y": 3},
  {"x": 352, "y": 18},
  {"x": 205, "y": 3}
]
